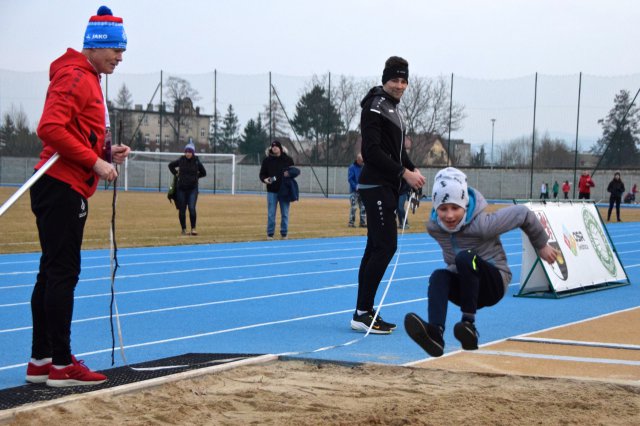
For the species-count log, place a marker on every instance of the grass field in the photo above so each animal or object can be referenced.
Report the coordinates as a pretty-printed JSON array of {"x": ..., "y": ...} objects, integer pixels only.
[{"x": 147, "y": 219}]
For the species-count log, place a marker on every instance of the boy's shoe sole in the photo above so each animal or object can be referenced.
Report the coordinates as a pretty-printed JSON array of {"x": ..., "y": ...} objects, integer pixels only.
[
  {"x": 419, "y": 331},
  {"x": 467, "y": 334}
]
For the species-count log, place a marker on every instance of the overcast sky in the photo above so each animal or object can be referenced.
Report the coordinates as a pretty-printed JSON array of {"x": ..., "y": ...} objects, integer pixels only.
[
  {"x": 472, "y": 38},
  {"x": 493, "y": 47}
]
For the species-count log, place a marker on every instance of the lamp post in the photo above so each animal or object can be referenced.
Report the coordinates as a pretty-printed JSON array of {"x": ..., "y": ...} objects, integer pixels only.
[{"x": 493, "y": 123}]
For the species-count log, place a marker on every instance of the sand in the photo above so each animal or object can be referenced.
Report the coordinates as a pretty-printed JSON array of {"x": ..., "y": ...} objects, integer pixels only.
[{"x": 305, "y": 393}]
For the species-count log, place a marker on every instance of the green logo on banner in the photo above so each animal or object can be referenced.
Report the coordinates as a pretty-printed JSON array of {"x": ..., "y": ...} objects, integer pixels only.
[{"x": 599, "y": 242}]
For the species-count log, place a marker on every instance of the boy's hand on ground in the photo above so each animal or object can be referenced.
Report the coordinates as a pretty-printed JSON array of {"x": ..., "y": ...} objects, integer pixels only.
[{"x": 548, "y": 254}]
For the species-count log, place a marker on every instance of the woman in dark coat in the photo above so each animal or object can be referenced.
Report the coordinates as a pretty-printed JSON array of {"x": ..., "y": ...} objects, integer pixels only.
[
  {"x": 188, "y": 169},
  {"x": 616, "y": 188}
]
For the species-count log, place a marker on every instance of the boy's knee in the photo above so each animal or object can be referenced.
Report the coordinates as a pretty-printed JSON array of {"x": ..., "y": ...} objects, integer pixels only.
[
  {"x": 439, "y": 276},
  {"x": 465, "y": 258}
]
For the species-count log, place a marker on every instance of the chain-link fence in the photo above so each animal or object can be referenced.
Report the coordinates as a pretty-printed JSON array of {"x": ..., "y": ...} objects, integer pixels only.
[{"x": 525, "y": 130}]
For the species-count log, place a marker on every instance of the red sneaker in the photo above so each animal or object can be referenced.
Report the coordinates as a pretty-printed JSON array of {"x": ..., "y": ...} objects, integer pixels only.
[
  {"x": 77, "y": 374},
  {"x": 38, "y": 373}
]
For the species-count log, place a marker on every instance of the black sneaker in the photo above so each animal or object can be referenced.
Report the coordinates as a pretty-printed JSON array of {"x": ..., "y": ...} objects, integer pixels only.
[
  {"x": 379, "y": 319},
  {"x": 467, "y": 334},
  {"x": 363, "y": 322},
  {"x": 428, "y": 336}
]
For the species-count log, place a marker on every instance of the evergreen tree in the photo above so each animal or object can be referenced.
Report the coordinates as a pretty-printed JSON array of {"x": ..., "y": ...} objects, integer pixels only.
[
  {"x": 228, "y": 141},
  {"x": 619, "y": 141},
  {"x": 16, "y": 139},
  {"x": 316, "y": 119},
  {"x": 254, "y": 139}
]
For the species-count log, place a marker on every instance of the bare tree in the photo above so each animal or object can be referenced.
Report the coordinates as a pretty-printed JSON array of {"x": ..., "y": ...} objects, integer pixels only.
[
  {"x": 516, "y": 153},
  {"x": 426, "y": 105},
  {"x": 123, "y": 117},
  {"x": 553, "y": 153},
  {"x": 276, "y": 119},
  {"x": 180, "y": 92}
]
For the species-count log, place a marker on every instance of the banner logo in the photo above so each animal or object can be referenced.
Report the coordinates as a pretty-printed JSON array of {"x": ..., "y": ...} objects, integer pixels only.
[{"x": 599, "y": 242}]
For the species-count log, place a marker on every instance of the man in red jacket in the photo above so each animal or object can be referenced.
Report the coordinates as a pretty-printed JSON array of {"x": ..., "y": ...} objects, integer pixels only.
[
  {"x": 584, "y": 186},
  {"x": 74, "y": 124}
]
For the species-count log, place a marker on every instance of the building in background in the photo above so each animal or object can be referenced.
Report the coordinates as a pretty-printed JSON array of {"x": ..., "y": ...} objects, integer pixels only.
[{"x": 158, "y": 129}]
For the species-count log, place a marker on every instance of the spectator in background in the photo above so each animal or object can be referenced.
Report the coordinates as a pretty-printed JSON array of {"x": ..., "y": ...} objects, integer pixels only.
[
  {"x": 543, "y": 191},
  {"x": 584, "y": 186},
  {"x": 556, "y": 188},
  {"x": 616, "y": 188},
  {"x": 73, "y": 125},
  {"x": 189, "y": 169},
  {"x": 565, "y": 189},
  {"x": 272, "y": 171},
  {"x": 356, "y": 202},
  {"x": 634, "y": 189},
  {"x": 401, "y": 211}
]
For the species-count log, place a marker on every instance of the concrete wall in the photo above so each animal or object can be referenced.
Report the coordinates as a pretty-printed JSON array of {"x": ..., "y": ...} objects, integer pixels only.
[{"x": 493, "y": 183}]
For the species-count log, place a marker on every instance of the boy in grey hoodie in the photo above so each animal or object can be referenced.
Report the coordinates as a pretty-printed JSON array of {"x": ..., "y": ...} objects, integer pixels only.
[{"x": 477, "y": 274}]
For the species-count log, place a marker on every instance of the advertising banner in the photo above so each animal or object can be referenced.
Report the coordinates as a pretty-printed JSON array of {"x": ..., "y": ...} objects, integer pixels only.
[{"x": 586, "y": 261}]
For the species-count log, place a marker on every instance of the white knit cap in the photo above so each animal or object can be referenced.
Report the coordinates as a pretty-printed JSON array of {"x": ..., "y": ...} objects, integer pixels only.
[{"x": 450, "y": 187}]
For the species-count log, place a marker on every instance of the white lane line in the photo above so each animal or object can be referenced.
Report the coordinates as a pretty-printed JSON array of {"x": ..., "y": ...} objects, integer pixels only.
[
  {"x": 256, "y": 246},
  {"x": 228, "y": 330},
  {"x": 428, "y": 359},
  {"x": 221, "y": 302},
  {"x": 574, "y": 343},
  {"x": 559, "y": 357}
]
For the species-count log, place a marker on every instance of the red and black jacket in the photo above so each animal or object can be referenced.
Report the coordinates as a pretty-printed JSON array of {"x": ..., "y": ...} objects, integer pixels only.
[{"x": 73, "y": 122}]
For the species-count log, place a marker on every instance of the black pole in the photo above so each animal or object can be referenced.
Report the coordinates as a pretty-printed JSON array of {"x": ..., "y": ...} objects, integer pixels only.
[
  {"x": 161, "y": 111},
  {"x": 533, "y": 137},
  {"x": 160, "y": 141},
  {"x": 575, "y": 159},
  {"x": 215, "y": 122},
  {"x": 328, "y": 132},
  {"x": 270, "y": 112},
  {"x": 450, "y": 114}
]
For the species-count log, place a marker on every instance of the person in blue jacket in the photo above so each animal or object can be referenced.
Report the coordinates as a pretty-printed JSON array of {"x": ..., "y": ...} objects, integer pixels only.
[{"x": 356, "y": 202}]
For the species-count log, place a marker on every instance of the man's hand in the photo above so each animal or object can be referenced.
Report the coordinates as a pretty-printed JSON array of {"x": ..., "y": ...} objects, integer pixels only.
[
  {"x": 548, "y": 254},
  {"x": 267, "y": 180},
  {"x": 105, "y": 170},
  {"x": 119, "y": 153},
  {"x": 414, "y": 178}
]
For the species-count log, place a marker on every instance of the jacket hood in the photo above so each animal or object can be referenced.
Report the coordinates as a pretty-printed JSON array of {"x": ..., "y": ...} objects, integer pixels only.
[
  {"x": 71, "y": 58},
  {"x": 268, "y": 153},
  {"x": 377, "y": 91}
]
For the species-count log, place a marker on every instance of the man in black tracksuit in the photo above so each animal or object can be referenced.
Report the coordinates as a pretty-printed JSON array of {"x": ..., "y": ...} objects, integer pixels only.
[{"x": 386, "y": 163}]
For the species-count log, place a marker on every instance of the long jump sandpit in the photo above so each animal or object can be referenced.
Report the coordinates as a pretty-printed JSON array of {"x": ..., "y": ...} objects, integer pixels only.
[{"x": 605, "y": 348}]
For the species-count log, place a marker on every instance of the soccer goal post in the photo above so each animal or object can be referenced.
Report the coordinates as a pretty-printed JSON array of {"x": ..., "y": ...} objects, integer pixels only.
[{"x": 150, "y": 171}]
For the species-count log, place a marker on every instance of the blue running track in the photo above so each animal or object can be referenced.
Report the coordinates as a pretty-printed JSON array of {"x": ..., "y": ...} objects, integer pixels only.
[{"x": 273, "y": 297}]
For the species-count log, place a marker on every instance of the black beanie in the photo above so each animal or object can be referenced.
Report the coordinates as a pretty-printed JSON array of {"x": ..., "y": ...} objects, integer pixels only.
[
  {"x": 276, "y": 143},
  {"x": 397, "y": 71}
]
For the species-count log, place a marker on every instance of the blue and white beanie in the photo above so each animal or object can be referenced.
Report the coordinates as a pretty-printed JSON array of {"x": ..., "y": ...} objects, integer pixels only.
[
  {"x": 105, "y": 31},
  {"x": 450, "y": 187}
]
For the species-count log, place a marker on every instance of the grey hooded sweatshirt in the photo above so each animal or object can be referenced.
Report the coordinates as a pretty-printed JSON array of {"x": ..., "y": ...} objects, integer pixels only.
[{"x": 481, "y": 232}]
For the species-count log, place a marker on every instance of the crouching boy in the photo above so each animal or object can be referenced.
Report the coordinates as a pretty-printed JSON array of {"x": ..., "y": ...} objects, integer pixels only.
[{"x": 477, "y": 274}]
